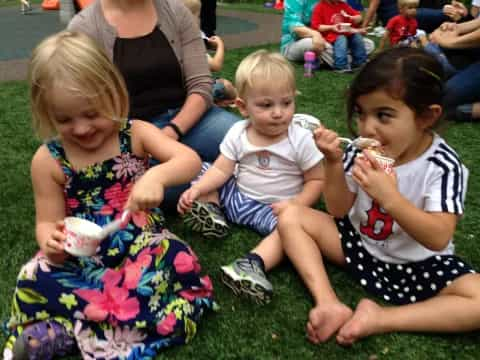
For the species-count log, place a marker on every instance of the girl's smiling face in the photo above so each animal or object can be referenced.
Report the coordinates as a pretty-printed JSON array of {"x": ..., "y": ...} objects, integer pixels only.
[{"x": 403, "y": 135}]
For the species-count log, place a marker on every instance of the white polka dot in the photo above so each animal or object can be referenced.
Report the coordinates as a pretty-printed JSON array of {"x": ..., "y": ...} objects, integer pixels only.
[
  {"x": 446, "y": 262},
  {"x": 378, "y": 285},
  {"x": 414, "y": 277},
  {"x": 400, "y": 295},
  {"x": 386, "y": 297},
  {"x": 348, "y": 260},
  {"x": 399, "y": 267},
  {"x": 426, "y": 275},
  {"x": 406, "y": 289},
  {"x": 396, "y": 287},
  {"x": 349, "y": 245},
  {"x": 438, "y": 257},
  {"x": 440, "y": 273},
  {"x": 359, "y": 243},
  {"x": 374, "y": 260},
  {"x": 387, "y": 266},
  {"x": 360, "y": 267},
  {"x": 350, "y": 233},
  {"x": 363, "y": 282},
  {"x": 413, "y": 299},
  {"x": 455, "y": 271},
  {"x": 419, "y": 287},
  {"x": 360, "y": 255},
  {"x": 380, "y": 269},
  {"x": 340, "y": 223},
  {"x": 403, "y": 281},
  {"x": 448, "y": 282},
  {"x": 461, "y": 264},
  {"x": 386, "y": 279},
  {"x": 374, "y": 273},
  {"x": 433, "y": 287},
  {"x": 389, "y": 289},
  {"x": 408, "y": 270}
]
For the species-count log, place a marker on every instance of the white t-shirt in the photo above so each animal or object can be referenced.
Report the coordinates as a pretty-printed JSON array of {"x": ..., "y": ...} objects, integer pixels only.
[
  {"x": 270, "y": 173},
  {"x": 435, "y": 182}
]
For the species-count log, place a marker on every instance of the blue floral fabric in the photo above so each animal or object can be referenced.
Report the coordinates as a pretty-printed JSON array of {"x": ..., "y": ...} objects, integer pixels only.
[{"x": 140, "y": 293}]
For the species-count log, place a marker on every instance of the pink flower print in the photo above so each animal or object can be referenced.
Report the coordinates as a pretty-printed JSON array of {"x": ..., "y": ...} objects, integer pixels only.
[
  {"x": 112, "y": 302},
  {"x": 127, "y": 166},
  {"x": 194, "y": 292},
  {"x": 72, "y": 203},
  {"x": 185, "y": 263},
  {"x": 166, "y": 326},
  {"x": 133, "y": 270},
  {"x": 116, "y": 198}
]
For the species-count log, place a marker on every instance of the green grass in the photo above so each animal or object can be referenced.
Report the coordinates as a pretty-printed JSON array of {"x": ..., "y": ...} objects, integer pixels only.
[{"x": 242, "y": 330}]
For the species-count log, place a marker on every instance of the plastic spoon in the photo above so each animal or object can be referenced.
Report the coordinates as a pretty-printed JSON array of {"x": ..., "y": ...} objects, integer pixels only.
[
  {"x": 361, "y": 142},
  {"x": 114, "y": 225}
]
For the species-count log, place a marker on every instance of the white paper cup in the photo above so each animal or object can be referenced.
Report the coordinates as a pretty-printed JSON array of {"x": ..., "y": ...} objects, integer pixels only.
[
  {"x": 82, "y": 236},
  {"x": 385, "y": 162},
  {"x": 344, "y": 27}
]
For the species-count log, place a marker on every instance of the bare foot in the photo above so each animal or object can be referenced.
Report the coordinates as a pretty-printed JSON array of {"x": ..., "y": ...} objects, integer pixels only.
[
  {"x": 364, "y": 322},
  {"x": 325, "y": 319}
]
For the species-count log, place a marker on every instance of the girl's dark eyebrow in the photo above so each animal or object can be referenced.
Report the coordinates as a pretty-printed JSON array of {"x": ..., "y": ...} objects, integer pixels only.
[{"x": 384, "y": 108}]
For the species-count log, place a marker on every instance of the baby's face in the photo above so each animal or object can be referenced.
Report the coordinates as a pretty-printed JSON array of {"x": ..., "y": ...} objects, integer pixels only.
[{"x": 408, "y": 10}]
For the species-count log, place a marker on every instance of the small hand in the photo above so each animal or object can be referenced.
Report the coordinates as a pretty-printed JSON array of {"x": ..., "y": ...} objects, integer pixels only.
[
  {"x": 279, "y": 206},
  {"x": 54, "y": 247},
  {"x": 328, "y": 143},
  {"x": 215, "y": 41},
  {"x": 148, "y": 192},
  {"x": 370, "y": 176},
  {"x": 186, "y": 200}
]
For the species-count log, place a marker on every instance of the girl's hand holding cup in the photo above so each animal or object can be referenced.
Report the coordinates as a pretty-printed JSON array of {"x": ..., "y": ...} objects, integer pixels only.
[
  {"x": 373, "y": 179},
  {"x": 328, "y": 143},
  {"x": 54, "y": 248}
]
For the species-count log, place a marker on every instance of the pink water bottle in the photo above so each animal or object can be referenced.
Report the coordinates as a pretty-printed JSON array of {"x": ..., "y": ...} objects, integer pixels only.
[{"x": 309, "y": 57}]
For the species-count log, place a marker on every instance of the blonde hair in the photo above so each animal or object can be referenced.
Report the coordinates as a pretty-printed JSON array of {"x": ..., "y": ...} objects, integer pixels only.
[
  {"x": 264, "y": 69},
  {"x": 77, "y": 64},
  {"x": 404, "y": 3},
  {"x": 193, "y": 5}
]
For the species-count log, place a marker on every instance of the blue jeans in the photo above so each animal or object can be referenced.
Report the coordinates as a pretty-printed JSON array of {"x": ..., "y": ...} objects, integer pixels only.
[
  {"x": 437, "y": 52},
  {"x": 205, "y": 138},
  {"x": 340, "y": 51},
  {"x": 463, "y": 87}
]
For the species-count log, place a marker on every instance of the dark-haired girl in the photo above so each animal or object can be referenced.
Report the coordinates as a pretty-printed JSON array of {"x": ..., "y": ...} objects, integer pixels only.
[{"x": 393, "y": 232}]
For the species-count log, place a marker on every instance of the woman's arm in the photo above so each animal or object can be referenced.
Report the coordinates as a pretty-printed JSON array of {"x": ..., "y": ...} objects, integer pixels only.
[
  {"x": 48, "y": 182},
  {"x": 372, "y": 10},
  {"x": 458, "y": 38}
]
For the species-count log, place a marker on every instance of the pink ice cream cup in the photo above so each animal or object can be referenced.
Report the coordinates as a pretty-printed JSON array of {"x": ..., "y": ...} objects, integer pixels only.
[
  {"x": 82, "y": 236},
  {"x": 344, "y": 27}
]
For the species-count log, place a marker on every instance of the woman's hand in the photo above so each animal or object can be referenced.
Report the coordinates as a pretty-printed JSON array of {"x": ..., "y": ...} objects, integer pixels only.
[
  {"x": 186, "y": 200},
  {"x": 371, "y": 177},
  {"x": 328, "y": 143},
  {"x": 54, "y": 248},
  {"x": 147, "y": 192},
  {"x": 444, "y": 38}
]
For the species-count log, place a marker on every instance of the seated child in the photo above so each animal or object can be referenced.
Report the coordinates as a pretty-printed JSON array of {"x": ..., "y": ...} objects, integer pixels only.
[
  {"x": 142, "y": 290},
  {"x": 265, "y": 163},
  {"x": 224, "y": 93},
  {"x": 401, "y": 30},
  {"x": 336, "y": 20}
]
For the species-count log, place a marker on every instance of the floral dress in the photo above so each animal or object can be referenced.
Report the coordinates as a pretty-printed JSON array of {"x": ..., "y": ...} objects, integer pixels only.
[{"x": 141, "y": 292}]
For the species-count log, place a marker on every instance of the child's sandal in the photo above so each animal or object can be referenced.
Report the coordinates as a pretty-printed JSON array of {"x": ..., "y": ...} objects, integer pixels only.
[{"x": 43, "y": 340}]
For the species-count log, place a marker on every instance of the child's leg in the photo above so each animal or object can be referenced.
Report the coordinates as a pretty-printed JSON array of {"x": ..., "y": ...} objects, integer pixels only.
[
  {"x": 340, "y": 52},
  {"x": 357, "y": 48},
  {"x": 270, "y": 250},
  {"x": 308, "y": 236},
  {"x": 455, "y": 309}
]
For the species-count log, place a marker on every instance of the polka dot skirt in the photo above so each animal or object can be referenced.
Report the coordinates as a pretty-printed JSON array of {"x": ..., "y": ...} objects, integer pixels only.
[{"x": 398, "y": 283}]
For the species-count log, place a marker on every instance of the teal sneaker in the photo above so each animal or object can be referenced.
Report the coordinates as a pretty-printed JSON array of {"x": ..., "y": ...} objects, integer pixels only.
[
  {"x": 207, "y": 219},
  {"x": 245, "y": 277}
]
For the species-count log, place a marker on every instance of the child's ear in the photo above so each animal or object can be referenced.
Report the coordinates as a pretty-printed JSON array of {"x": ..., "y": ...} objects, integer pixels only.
[
  {"x": 241, "y": 106},
  {"x": 430, "y": 116}
]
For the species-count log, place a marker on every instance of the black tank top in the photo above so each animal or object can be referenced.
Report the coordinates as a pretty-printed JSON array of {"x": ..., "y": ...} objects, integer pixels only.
[{"x": 152, "y": 74}]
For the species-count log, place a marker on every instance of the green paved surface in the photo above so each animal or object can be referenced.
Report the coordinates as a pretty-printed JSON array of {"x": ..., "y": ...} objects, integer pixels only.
[{"x": 20, "y": 33}]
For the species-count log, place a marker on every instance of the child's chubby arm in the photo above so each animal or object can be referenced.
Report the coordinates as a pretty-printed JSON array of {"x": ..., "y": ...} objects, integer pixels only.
[
  {"x": 313, "y": 183},
  {"x": 338, "y": 198},
  {"x": 215, "y": 62},
  {"x": 217, "y": 175},
  {"x": 48, "y": 182},
  {"x": 432, "y": 230},
  {"x": 178, "y": 165},
  {"x": 384, "y": 40}
]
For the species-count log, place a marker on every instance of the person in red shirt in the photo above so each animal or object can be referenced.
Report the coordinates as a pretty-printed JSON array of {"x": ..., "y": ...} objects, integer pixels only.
[
  {"x": 337, "y": 21},
  {"x": 401, "y": 30}
]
